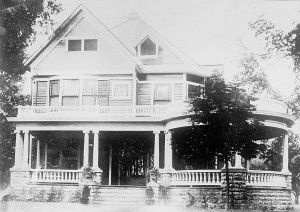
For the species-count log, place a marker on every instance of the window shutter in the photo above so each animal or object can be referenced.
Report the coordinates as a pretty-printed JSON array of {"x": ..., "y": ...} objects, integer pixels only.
[
  {"x": 41, "y": 93},
  {"x": 103, "y": 92}
]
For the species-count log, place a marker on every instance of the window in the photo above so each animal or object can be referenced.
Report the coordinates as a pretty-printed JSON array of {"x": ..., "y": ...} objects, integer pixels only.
[
  {"x": 70, "y": 93},
  {"x": 90, "y": 45},
  {"x": 194, "y": 91},
  {"x": 162, "y": 92},
  {"x": 121, "y": 90},
  {"x": 89, "y": 92},
  {"x": 82, "y": 45},
  {"x": 148, "y": 47},
  {"x": 74, "y": 45},
  {"x": 54, "y": 93}
]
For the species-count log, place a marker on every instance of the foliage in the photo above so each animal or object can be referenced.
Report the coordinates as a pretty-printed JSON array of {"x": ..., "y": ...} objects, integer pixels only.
[
  {"x": 149, "y": 193},
  {"x": 88, "y": 173},
  {"x": 19, "y": 18},
  {"x": 153, "y": 174},
  {"x": 253, "y": 79},
  {"x": 222, "y": 124}
]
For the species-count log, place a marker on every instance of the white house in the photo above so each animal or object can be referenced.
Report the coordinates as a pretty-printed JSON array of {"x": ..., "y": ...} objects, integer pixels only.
[{"x": 92, "y": 85}]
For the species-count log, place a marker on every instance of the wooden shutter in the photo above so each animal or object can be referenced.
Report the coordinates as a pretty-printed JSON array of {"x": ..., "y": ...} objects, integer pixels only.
[
  {"x": 41, "y": 93},
  {"x": 144, "y": 94},
  {"x": 102, "y": 92}
]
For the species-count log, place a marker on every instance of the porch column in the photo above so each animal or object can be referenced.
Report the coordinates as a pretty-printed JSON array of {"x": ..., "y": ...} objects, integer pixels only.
[
  {"x": 238, "y": 161},
  {"x": 86, "y": 148},
  {"x": 25, "y": 150},
  {"x": 46, "y": 155},
  {"x": 168, "y": 151},
  {"x": 110, "y": 164},
  {"x": 96, "y": 150},
  {"x": 285, "y": 156},
  {"x": 248, "y": 164},
  {"x": 18, "y": 148},
  {"x": 156, "y": 149},
  {"x": 38, "y": 154},
  {"x": 30, "y": 150}
]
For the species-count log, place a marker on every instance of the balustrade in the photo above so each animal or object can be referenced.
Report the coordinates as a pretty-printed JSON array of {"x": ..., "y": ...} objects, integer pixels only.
[
  {"x": 51, "y": 175},
  {"x": 131, "y": 111},
  {"x": 265, "y": 178},
  {"x": 196, "y": 177}
]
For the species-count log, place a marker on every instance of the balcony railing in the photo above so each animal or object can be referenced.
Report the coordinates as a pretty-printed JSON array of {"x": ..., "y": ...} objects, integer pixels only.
[
  {"x": 265, "y": 179},
  {"x": 196, "y": 177},
  {"x": 55, "y": 176},
  {"x": 103, "y": 111}
]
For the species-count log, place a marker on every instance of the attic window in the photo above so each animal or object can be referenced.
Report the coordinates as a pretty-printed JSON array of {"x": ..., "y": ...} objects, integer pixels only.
[
  {"x": 148, "y": 48},
  {"x": 82, "y": 45}
]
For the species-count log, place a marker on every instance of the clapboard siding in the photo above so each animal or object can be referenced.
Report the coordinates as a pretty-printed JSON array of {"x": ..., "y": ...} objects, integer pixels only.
[
  {"x": 40, "y": 97},
  {"x": 178, "y": 92},
  {"x": 144, "y": 94},
  {"x": 163, "y": 77},
  {"x": 108, "y": 59}
]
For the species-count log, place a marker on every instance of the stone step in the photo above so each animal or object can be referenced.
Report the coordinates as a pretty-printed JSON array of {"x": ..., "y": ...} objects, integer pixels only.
[{"x": 115, "y": 195}]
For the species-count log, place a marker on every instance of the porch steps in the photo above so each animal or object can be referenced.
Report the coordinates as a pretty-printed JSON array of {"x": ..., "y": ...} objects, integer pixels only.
[{"x": 120, "y": 195}]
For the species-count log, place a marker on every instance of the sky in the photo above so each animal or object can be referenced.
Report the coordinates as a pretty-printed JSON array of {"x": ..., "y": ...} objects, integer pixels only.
[{"x": 209, "y": 31}]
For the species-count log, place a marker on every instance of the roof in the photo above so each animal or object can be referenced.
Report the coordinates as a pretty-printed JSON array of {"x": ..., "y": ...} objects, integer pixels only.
[{"x": 127, "y": 36}]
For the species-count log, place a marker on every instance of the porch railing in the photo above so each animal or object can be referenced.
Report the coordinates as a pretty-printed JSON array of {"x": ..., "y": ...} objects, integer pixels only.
[
  {"x": 265, "y": 178},
  {"x": 55, "y": 175},
  {"x": 196, "y": 177},
  {"x": 109, "y": 111}
]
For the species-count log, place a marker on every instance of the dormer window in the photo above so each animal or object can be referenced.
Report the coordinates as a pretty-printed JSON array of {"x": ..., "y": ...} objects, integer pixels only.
[
  {"x": 147, "y": 48},
  {"x": 77, "y": 45}
]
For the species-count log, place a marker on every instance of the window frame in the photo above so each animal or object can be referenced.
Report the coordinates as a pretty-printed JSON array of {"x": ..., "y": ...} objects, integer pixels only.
[
  {"x": 63, "y": 95},
  {"x": 82, "y": 44},
  {"x": 170, "y": 92},
  {"x": 147, "y": 56},
  {"x": 128, "y": 83}
]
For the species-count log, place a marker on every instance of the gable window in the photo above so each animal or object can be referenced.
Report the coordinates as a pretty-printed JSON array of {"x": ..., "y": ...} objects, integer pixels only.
[
  {"x": 54, "y": 93},
  {"x": 121, "y": 89},
  {"x": 70, "y": 92},
  {"x": 90, "y": 45},
  {"x": 74, "y": 45},
  {"x": 77, "y": 45},
  {"x": 148, "y": 47}
]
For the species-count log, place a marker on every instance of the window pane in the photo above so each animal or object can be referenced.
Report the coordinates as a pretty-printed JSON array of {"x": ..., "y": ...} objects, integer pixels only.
[
  {"x": 121, "y": 90},
  {"x": 54, "y": 88},
  {"x": 194, "y": 91},
  {"x": 70, "y": 87},
  {"x": 90, "y": 45},
  {"x": 162, "y": 92},
  {"x": 148, "y": 47},
  {"x": 88, "y": 100},
  {"x": 74, "y": 45},
  {"x": 89, "y": 86},
  {"x": 70, "y": 101},
  {"x": 54, "y": 101}
]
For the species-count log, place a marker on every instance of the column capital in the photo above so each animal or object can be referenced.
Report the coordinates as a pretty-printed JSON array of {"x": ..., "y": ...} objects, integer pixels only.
[
  {"x": 167, "y": 131},
  {"x": 156, "y": 132},
  {"x": 25, "y": 131},
  {"x": 86, "y": 131},
  {"x": 95, "y": 131},
  {"x": 17, "y": 131}
]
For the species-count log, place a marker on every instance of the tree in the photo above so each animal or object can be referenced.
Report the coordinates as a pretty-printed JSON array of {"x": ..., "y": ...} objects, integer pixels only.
[
  {"x": 223, "y": 124},
  {"x": 19, "y": 18}
]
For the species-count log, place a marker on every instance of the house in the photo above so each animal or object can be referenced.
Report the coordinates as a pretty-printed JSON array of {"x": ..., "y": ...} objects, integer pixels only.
[{"x": 95, "y": 91}]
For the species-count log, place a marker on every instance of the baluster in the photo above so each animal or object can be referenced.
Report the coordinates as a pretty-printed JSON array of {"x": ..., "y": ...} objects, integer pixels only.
[
  {"x": 213, "y": 177},
  {"x": 200, "y": 177},
  {"x": 197, "y": 177},
  {"x": 208, "y": 177}
]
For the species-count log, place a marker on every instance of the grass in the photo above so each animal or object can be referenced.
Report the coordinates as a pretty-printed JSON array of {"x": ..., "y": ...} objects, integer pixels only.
[{"x": 77, "y": 207}]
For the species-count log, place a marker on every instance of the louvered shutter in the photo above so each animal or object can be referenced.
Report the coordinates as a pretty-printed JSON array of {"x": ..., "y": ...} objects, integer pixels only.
[
  {"x": 41, "y": 93},
  {"x": 102, "y": 92}
]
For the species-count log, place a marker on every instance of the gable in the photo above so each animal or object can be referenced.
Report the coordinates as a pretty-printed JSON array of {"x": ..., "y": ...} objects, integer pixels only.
[{"x": 110, "y": 58}]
